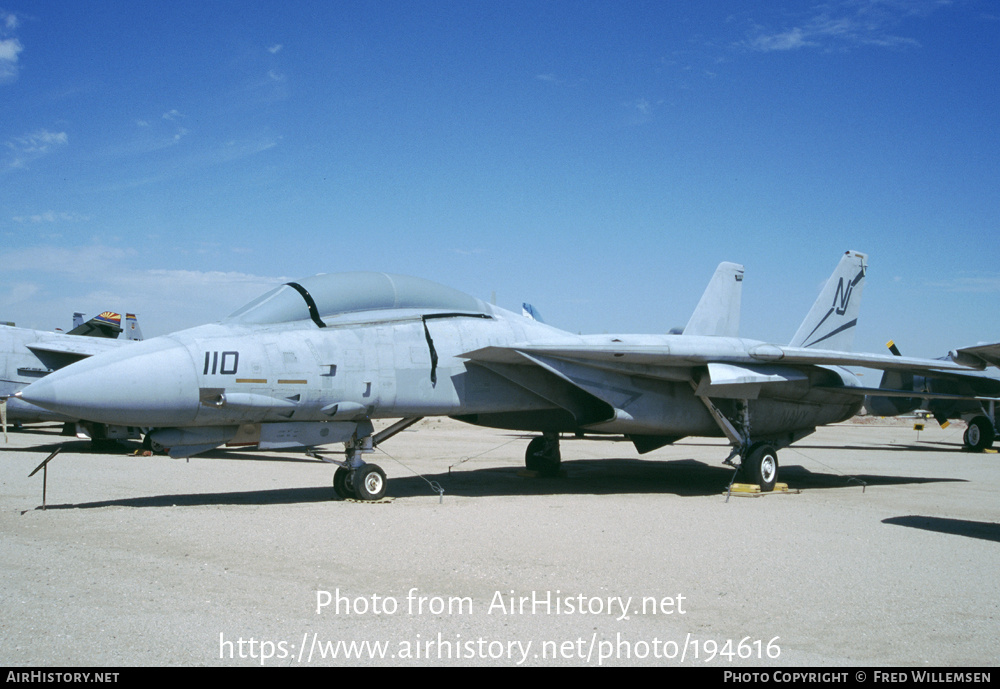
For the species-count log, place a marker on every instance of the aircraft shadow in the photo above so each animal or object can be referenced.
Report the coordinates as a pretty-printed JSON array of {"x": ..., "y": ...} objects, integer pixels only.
[
  {"x": 283, "y": 496},
  {"x": 683, "y": 478},
  {"x": 68, "y": 446},
  {"x": 923, "y": 446},
  {"x": 986, "y": 531},
  {"x": 132, "y": 449}
]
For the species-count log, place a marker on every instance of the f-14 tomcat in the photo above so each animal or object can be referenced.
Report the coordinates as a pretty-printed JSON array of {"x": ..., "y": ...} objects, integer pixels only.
[{"x": 313, "y": 362}]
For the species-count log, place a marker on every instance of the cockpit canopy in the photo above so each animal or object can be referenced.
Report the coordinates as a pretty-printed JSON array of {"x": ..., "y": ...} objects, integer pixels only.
[{"x": 323, "y": 297}]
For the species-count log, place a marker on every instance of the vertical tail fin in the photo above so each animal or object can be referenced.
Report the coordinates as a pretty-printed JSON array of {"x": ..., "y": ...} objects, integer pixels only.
[
  {"x": 107, "y": 324},
  {"x": 718, "y": 311},
  {"x": 132, "y": 331},
  {"x": 529, "y": 311},
  {"x": 832, "y": 319}
]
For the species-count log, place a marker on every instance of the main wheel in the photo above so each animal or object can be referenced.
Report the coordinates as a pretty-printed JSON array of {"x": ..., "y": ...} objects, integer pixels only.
[
  {"x": 342, "y": 483},
  {"x": 369, "y": 482},
  {"x": 543, "y": 456},
  {"x": 760, "y": 467},
  {"x": 979, "y": 435}
]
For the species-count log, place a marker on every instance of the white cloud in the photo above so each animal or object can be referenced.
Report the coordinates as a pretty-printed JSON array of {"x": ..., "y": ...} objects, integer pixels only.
[
  {"x": 16, "y": 293},
  {"x": 43, "y": 140},
  {"x": 49, "y": 217},
  {"x": 31, "y": 146},
  {"x": 10, "y": 48},
  {"x": 844, "y": 24},
  {"x": 641, "y": 111},
  {"x": 789, "y": 40},
  {"x": 74, "y": 261},
  {"x": 94, "y": 278},
  {"x": 275, "y": 49},
  {"x": 987, "y": 284}
]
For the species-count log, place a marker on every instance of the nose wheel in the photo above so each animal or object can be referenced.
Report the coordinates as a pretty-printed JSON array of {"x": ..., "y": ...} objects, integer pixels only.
[
  {"x": 343, "y": 485},
  {"x": 367, "y": 482}
]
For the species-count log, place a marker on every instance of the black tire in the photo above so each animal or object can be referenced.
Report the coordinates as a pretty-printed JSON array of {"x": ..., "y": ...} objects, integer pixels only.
[
  {"x": 154, "y": 447},
  {"x": 979, "y": 435},
  {"x": 543, "y": 456},
  {"x": 342, "y": 484},
  {"x": 369, "y": 482},
  {"x": 760, "y": 467}
]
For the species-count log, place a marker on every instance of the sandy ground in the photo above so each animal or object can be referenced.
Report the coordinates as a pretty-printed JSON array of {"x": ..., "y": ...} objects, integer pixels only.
[{"x": 886, "y": 552}]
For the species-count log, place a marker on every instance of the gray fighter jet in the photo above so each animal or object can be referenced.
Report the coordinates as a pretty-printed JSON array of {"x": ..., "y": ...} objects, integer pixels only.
[
  {"x": 314, "y": 362},
  {"x": 26, "y": 355}
]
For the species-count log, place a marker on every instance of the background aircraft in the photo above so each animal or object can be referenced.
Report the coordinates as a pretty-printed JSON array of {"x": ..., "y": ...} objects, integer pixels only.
[
  {"x": 971, "y": 396},
  {"x": 313, "y": 362},
  {"x": 27, "y": 355}
]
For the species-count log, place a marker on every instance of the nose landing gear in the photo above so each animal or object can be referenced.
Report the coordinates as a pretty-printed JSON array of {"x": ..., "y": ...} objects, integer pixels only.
[
  {"x": 354, "y": 478},
  {"x": 367, "y": 482}
]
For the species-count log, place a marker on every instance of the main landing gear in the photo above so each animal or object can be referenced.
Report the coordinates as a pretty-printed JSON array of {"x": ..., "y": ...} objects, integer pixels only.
[
  {"x": 759, "y": 466},
  {"x": 980, "y": 434},
  {"x": 758, "y": 460}
]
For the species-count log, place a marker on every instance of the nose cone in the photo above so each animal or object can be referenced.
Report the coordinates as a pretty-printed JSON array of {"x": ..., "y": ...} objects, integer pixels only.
[{"x": 150, "y": 383}]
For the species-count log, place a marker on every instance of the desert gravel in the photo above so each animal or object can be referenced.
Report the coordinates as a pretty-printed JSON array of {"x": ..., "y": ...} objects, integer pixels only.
[{"x": 884, "y": 552}]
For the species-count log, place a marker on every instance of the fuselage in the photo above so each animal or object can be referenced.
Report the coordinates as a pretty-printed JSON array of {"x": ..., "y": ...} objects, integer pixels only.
[{"x": 404, "y": 363}]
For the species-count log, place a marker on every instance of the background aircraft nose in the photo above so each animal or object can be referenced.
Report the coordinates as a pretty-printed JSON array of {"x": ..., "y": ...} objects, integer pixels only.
[{"x": 150, "y": 383}]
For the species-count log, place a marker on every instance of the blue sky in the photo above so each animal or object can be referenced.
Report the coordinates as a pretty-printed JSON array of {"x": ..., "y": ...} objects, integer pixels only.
[{"x": 598, "y": 159}]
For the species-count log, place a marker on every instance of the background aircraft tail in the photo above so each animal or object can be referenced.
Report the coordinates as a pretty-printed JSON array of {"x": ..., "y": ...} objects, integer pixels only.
[
  {"x": 718, "y": 311},
  {"x": 107, "y": 324},
  {"x": 830, "y": 324},
  {"x": 132, "y": 331},
  {"x": 529, "y": 311}
]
